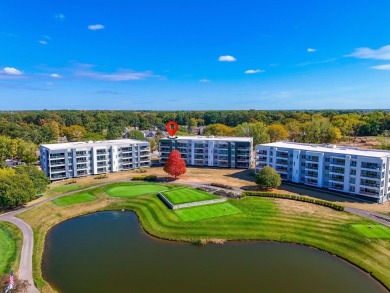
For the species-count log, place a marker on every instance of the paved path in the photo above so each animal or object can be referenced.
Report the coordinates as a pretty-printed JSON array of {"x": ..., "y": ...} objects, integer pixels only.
[
  {"x": 25, "y": 266},
  {"x": 377, "y": 217}
]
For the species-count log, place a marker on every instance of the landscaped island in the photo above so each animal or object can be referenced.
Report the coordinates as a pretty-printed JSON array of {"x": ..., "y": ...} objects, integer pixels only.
[{"x": 251, "y": 218}]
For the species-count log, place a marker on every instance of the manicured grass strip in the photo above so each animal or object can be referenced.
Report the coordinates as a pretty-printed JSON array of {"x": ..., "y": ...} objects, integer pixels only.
[
  {"x": 206, "y": 212},
  {"x": 373, "y": 231},
  {"x": 65, "y": 188},
  {"x": 135, "y": 190},
  {"x": 74, "y": 199},
  {"x": 186, "y": 195},
  {"x": 10, "y": 247}
]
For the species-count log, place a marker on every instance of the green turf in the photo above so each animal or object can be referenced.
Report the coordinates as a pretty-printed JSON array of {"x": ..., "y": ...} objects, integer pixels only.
[
  {"x": 133, "y": 190},
  {"x": 10, "y": 247},
  {"x": 74, "y": 199},
  {"x": 206, "y": 212},
  {"x": 186, "y": 195},
  {"x": 373, "y": 231},
  {"x": 65, "y": 188}
]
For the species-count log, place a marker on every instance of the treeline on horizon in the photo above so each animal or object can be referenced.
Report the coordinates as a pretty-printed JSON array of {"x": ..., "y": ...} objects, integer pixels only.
[{"x": 304, "y": 126}]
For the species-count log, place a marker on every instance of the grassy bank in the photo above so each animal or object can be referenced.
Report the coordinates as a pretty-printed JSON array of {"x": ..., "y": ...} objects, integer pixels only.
[
  {"x": 10, "y": 246},
  {"x": 248, "y": 219}
]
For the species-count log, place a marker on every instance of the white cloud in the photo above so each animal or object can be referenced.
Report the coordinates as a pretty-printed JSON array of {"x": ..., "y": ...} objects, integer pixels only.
[
  {"x": 226, "y": 58},
  {"x": 59, "y": 16},
  {"x": 55, "y": 75},
  {"x": 253, "y": 71},
  {"x": 121, "y": 75},
  {"x": 46, "y": 37},
  {"x": 204, "y": 80},
  {"x": 381, "y": 67},
  {"x": 94, "y": 27},
  {"x": 12, "y": 71},
  {"x": 367, "y": 53},
  {"x": 42, "y": 42},
  {"x": 311, "y": 50}
]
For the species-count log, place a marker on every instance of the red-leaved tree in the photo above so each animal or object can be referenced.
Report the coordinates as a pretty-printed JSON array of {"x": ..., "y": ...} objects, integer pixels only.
[{"x": 175, "y": 165}]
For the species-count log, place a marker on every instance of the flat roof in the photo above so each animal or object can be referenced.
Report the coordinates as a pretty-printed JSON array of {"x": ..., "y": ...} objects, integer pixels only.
[
  {"x": 211, "y": 137},
  {"x": 86, "y": 144},
  {"x": 330, "y": 148}
]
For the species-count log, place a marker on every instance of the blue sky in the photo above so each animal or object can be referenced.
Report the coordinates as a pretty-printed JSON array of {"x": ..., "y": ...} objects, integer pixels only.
[{"x": 194, "y": 55}]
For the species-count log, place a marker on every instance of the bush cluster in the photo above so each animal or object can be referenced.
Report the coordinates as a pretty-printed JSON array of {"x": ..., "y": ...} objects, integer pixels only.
[
  {"x": 295, "y": 197},
  {"x": 221, "y": 185},
  {"x": 141, "y": 170},
  {"x": 145, "y": 178},
  {"x": 101, "y": 176}
]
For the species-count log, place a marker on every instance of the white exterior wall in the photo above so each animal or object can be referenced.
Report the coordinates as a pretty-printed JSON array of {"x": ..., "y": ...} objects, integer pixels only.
[
  {"x": 112, "y": 162},
  {"x": 344, "y": 182}
]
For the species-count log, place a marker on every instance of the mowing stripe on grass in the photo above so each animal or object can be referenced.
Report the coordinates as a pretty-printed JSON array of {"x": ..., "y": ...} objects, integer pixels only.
[
  {"x": 373, "y": 231},
  {"x": 135, "y": 190},
  {"x": 186, "y": 195},
  {"x": 206, "y": 212},
  {"x": 74, "y": 199}
]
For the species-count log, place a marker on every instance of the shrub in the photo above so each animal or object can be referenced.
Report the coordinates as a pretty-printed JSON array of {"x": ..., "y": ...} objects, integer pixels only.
[
  {"x": 101, "y": 176},
  {"x": 140, "y": 170},
  {"x": 145, "y": 178},
  {"x": 221, "y": 185},
  {"x": 268, "y": 178},
  {"x": 297, "y": 198},
  {"x": 70, "y": 182}
]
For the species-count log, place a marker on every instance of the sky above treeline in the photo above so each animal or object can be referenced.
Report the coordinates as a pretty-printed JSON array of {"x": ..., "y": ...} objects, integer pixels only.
[{"x": 194, "y": 55}]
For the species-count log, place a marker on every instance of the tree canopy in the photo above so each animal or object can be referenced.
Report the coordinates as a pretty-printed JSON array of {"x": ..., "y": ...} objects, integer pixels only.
[
  {"x": 175, "y": 165},
  {"x": 268, "y": 178}
]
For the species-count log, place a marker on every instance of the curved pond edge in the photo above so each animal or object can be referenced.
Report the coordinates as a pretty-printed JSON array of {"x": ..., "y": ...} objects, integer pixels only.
[{"x": 166, "y": 239}]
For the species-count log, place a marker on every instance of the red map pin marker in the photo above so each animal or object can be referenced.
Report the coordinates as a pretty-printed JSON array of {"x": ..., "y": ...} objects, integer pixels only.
[{"x": 172, "y": 127}]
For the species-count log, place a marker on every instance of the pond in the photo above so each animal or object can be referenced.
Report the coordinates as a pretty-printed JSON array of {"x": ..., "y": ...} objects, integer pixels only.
[{"x": 109, "y": 252}]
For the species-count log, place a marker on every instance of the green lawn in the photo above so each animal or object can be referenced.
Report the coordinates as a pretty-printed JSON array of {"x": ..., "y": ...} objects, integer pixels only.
[
  {"x": 74, "y": 199},
  {"x": 207, "y": 212},
  {"x": 186, "y": 195},
  {"x": 10, "y": 247},
  {"x": 65, "y": 188},
  {"x": 251, "y": 218},
  {"x": 373, "y": 231},
  {"x": 133, "y": 190}
]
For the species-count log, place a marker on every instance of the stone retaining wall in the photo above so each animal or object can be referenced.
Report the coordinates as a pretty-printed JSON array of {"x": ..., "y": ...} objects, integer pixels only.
[{"x": 189, "y": 204}]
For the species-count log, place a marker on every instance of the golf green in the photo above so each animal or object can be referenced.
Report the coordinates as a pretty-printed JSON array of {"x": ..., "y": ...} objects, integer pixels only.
[
  {"x": 373, "y": 231},
  {"x": 206, "y": 212},
  {"x": 74, "y": 199},
  {"x": 186, "y": 195},
  {"x": 135, "y": 190}
]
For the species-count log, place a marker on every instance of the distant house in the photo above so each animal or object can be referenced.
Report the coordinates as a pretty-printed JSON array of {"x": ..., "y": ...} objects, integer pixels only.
[
  {"x": 12, "y": 163},
  {"x": 149, "y": 134}
]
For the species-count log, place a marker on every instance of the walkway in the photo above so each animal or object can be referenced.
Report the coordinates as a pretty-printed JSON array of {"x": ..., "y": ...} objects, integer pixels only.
[{"x": 377, "y": 217}]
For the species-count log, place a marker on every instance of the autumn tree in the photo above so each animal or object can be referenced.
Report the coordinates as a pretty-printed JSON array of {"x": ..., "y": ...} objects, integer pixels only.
[
  {"x": 268, "y": 178},
  {"x": 74, "y": 132},
  {"x": 277, "y": 132},
  {"x": 175, "y": 165},
  {"x": 219, "y": 129},
  {"x": 256, "y": 130},
  {"x": 136, "y": 134}
]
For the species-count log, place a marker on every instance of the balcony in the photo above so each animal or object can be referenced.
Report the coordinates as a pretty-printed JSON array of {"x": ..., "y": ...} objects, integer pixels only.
[
  {"x": 58, "y": 176},
  {"x": 311, "y": 174},
  {"x": 312, "y": 166},
  {"x": 57, "y": 163},
  {"x": 336, "y": 170},
  {"x": 57, "y": 170},
  {"x": 102, "y": 158},
  {"x": 264, "y": 153},
  {"x": 127, "y": 150},
  {"x": 223, "y": 146},
  {"x": 369, "y": 191},
  {"x": 370, "y": 183},
  {"x": 370, "y": 174},
  {"x": 312, "y": 159},
  {"x": 198, "y": 146},
  {"x": 81, "y": 160},
  {"x": 281, "y": 162},
  {"x": 81, "y": 154},
  {"x": 337, "y": 161},
  {"x": 336, "y": 186},
  {"x": 371, "y": 166},
  {"x": 144, "y": 148},
  {"x": 101, "y": 152},
  {"x": 57, "y": 156},
  {"x": 82, "y": 173},
  {"x": 281, "y": 169},
  {"x": 281, "y": 155},
  {"x": 165, "y": 150}
]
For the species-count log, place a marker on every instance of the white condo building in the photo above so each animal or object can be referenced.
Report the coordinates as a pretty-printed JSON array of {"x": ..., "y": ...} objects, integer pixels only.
[
  {"x": 76, "y": 159},
  {"x": 362, "y": 173},
  {"x": 211, "y": 151}
]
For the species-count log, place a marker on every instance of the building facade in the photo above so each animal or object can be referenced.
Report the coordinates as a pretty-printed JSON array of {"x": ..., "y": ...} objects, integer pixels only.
[
  {"x": 362, "y": 173},
  {"x": 224, "y": 152},
  {"x": 68, "y": 160}
]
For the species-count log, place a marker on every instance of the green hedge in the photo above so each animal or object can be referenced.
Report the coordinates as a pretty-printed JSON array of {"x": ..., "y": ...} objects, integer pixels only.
[
  {"x": 295, "y": 197},
  {"x": 145, "y": 177}
]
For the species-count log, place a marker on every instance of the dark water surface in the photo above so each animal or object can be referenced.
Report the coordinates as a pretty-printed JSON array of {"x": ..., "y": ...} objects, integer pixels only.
[{"x": 109, "y": 252}]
